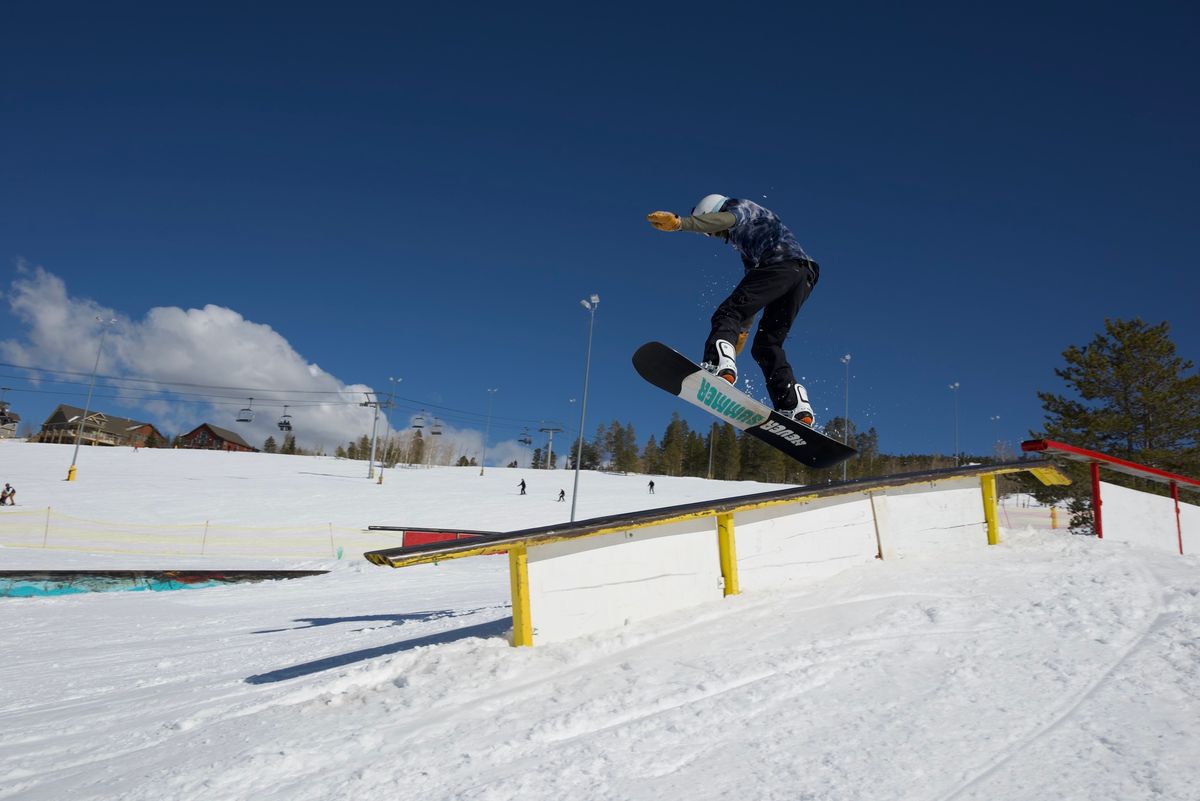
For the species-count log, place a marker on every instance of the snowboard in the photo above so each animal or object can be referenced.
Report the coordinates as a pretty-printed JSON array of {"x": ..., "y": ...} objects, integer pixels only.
[{"x": 670, "y": 370}]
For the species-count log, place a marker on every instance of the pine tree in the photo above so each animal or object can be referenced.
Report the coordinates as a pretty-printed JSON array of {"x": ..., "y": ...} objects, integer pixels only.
[
  {"x": 590, "y": 460},
  {"x": 269, "y": 446},
  {"x": 625, "y": 451},
  {"x": 674, "y": 446},
  {"x": 838, "y": 427},
  {"x": 416, "y": 453},
  {"x": 695, "y": 457},
  {"x": 651, "y": 457},
  {"x": 727, "y": 456},
  {"x": 1130, "y": 396}
]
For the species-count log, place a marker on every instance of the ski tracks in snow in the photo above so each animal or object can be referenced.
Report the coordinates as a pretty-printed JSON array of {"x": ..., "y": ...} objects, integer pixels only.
[{"x": 1156, "y": 618}]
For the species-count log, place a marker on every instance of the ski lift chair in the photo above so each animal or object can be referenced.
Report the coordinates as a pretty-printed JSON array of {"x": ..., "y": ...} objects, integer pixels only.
[
  {"x": 246, "y": 415},
  {"x": 285, "y": 422}
]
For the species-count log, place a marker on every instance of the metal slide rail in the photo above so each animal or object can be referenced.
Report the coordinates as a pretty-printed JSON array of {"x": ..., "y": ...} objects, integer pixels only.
[
  {"x": 502, "y": 542},
  {"x": 517, "y": 544},
  {"x": 1116, "y": 464}
]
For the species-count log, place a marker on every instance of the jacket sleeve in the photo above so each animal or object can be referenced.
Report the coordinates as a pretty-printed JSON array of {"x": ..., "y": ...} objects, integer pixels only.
[{"x": 713, "y": 223}]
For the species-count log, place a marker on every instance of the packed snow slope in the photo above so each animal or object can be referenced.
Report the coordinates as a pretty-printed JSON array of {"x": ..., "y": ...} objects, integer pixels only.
[{"x": 1048, "y": 667}]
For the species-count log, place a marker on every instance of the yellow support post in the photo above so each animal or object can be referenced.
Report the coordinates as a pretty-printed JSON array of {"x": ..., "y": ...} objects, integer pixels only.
[
  {"x": 1053, "y": 517},
  {"x": 988, "y": 484},
  {"x": 728, "y": 549},
  {"x": 518, "y": 572}
]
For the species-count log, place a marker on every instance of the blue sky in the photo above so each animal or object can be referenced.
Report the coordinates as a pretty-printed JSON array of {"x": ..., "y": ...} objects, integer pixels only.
[{"x": 427, "y": 194}]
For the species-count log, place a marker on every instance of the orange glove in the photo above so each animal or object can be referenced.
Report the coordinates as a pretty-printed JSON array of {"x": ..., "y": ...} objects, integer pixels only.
[{"x": 664, "y": 220}]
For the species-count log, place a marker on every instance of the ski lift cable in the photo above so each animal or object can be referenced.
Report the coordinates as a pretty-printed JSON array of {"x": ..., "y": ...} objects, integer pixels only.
[
  {"x": 162, "y": 382},
  {"x": 498, "y": 423},
  {"x": 273, "y": 395},
  {"x": 162, "y": 388}
]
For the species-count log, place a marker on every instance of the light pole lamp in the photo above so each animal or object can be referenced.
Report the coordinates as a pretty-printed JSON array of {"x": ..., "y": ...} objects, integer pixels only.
[
  {"x": 487, "y": 429},
  {"x": 104, "y": 326},
  {"x": 590, "y": 304}
]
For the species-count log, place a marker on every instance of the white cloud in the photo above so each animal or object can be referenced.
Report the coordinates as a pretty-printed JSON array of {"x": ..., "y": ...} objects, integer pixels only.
[{"x": 210, "y": 347}]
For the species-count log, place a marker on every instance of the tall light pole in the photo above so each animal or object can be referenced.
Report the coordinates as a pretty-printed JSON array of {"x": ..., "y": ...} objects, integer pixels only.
[
  {"x": 590, "y": 304},
  {"x": 954, "y": 387},
  {"x": 487, "y": 429},
  {"x": 995, "y": 418},
  {"x": 104, "y": 326},
  {"x": 846, "y": 424}
]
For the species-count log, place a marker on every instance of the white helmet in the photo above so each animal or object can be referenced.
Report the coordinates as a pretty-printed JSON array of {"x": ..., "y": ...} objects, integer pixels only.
[{"x": 709, "y": 203}]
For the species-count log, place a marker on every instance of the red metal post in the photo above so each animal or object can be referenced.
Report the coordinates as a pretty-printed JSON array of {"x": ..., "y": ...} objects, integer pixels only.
[
  {"x": 1178, "y": 523},
  {"x": 1096, "y": 500}
]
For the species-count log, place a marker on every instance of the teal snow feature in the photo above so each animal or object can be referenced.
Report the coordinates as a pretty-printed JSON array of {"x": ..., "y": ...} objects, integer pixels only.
[{"x": 36, "y": 583}]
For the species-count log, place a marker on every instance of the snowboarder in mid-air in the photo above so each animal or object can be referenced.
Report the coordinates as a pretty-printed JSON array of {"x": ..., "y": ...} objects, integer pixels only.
[{"x": 779, "y": 276}]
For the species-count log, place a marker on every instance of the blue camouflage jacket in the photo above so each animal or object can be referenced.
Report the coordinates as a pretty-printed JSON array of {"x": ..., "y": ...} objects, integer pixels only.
[{"x": 755, "y": 232}]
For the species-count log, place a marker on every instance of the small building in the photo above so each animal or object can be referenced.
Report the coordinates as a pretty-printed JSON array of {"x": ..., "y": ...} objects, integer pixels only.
[
  {"x": 210, "y": 438},
  {"x": 8, "y": 421},
  {"x": 98, "y": 429}
]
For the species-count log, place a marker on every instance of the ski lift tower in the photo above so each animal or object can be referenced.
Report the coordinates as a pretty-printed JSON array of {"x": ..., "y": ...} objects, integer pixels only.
[
  {"x": 387, "y": 404},
  {"x": 550, "y": 429}
]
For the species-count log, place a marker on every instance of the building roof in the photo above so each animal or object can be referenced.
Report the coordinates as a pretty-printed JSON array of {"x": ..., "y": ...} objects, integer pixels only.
[
  {"x": 222, "y": 433},
  {"x": 119, "y": 426}
]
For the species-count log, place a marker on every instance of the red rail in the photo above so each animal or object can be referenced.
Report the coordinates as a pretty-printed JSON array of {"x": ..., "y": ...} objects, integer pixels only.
[{"x": 1096, "y": 459}]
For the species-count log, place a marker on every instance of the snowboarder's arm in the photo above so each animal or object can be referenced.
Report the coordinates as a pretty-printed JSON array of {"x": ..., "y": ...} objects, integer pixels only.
[
  {"x": 713, "y": 223},
  {"x": 699, "y": 223}
]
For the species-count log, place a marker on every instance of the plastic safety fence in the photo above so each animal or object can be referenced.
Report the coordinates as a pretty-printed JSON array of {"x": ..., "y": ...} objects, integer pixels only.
[{"x": 48, "y": 529}]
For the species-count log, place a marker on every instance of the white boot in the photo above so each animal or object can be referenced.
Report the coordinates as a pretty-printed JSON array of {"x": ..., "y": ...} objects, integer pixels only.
[
  {"x": 725, "y": 367},
  {"x": 803, "y": 411}
]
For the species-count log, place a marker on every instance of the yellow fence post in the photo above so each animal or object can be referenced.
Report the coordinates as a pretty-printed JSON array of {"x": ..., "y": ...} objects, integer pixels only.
[
  {"x": 1053, "y": 517},
  {"x": 728, "y": 549},
  {"x": 988, "y": 484},
  {"x": 518, "y": 572}
]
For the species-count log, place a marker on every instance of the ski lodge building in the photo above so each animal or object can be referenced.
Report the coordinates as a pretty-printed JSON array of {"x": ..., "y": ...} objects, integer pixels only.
[
  {"x": 208, "y": 437},
  {"x": 98, "y": 429}
]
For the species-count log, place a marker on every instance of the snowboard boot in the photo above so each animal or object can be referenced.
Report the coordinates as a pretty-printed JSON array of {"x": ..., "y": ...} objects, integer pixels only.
[
  {"x": 802, "y": 412},
  {"x": 725, "y": 367}
]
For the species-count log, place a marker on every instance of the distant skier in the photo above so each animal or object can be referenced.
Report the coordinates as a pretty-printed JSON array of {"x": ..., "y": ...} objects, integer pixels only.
[
  {"x": 779, "y": 276},
  {"x": 522, "y": 486},
  {"x": 651, "y": 485},
  {"x": 562, "y": 495},
  {"x": 8, "y": 495}
]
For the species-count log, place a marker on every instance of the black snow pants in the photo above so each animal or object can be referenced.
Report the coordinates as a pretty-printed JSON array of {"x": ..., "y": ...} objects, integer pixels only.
[{"x": 778, "y": 290}]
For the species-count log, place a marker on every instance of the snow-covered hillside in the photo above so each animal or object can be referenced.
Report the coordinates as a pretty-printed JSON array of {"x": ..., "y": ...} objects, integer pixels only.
[{"x": 1049, "y": 666}]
